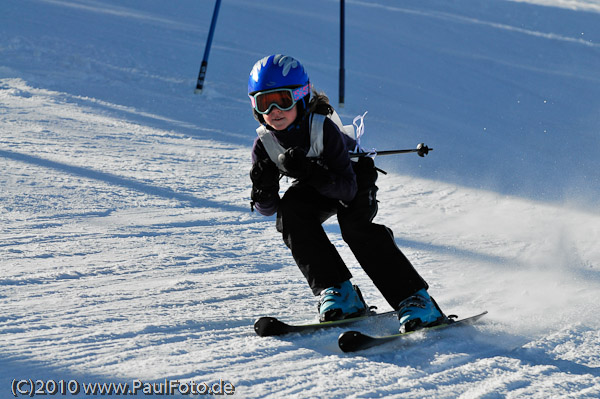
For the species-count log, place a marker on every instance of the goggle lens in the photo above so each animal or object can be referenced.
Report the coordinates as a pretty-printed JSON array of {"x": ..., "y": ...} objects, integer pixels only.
[{"x": 284, "y": 99}]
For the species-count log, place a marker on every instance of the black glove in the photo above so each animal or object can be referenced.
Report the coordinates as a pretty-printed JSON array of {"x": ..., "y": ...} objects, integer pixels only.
[
  {"x": 264, "y": 174},
  {"x": 306, "y": 170},
  {"x": 366, "y": 172},
  {"x": 296, "y": 164},
  {"x": 265, "y": 181}
]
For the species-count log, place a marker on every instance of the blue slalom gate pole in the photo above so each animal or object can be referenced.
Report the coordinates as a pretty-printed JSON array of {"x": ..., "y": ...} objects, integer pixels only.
[
  {"x": 204, "y": 65},
  {"x": 342, "y": 45}
]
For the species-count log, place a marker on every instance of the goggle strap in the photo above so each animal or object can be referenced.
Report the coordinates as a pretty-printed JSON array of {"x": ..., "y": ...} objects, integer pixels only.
[{"x": 301, "y": 92}]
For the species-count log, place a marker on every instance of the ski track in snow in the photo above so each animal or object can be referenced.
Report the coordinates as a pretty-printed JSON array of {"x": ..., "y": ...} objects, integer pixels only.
[
  {"x": 144, "y": 266},
  {"x": 128, "y": 251}
]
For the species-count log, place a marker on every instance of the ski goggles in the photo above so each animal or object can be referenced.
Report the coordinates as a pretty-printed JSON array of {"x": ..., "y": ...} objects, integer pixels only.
[{"x": 284, "y": 99}]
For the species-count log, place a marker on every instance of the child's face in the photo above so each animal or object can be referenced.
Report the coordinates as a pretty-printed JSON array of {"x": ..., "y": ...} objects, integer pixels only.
[{"x": 280, "y": 120}]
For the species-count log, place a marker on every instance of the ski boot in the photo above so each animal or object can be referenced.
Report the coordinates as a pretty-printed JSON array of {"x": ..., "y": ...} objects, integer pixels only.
[
  {"x": 418, "y": 311},
  {"x": 341, "y": 301}
]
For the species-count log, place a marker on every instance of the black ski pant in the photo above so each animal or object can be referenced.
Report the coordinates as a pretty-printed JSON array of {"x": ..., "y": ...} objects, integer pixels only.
[{"x": 302, "y": 211}]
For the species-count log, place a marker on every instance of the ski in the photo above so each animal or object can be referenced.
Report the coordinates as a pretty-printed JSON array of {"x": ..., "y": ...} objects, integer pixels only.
[
  {"x": 352, "y": 341},
  {"x": 270, "y": 326}
]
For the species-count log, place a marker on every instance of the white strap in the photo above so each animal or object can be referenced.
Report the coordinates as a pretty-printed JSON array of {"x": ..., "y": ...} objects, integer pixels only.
[
  {"x": 360, "y": 130},
  {"x": 271, "y": 145},
  {"x": 316, "y": 135}
]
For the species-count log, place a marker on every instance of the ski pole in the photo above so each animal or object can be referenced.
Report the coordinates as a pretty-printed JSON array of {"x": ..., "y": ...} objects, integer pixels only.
[{"x": 421, "y": 150}]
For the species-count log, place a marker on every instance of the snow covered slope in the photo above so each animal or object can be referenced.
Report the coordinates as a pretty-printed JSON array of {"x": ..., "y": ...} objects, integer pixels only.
[{"x": 128, "y": 251}]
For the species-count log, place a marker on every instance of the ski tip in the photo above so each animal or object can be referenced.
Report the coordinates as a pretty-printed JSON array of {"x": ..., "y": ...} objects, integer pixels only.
[
  {"x": 477, "y": 316},
  {"x": 351, "y": 341},
  {"x": 269, "y": 326},
  {"x": 482, "y": 314}
]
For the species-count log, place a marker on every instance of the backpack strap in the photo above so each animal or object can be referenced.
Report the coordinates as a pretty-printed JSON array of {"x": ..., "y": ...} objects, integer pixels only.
[
  {"x": 273, "y": 148},
  {"x": 316, "y": 135}
]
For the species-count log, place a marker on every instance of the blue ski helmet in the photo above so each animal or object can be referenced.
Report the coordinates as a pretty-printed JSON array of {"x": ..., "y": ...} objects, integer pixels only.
[{"x": 276, "y": 71}]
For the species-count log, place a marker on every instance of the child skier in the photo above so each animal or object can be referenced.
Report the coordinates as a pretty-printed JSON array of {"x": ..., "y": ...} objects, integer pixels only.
[{"x": 326, "y": 183}]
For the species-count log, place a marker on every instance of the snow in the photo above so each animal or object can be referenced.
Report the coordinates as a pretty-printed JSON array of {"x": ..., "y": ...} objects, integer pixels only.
[{"x": 128, "y": 250}]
